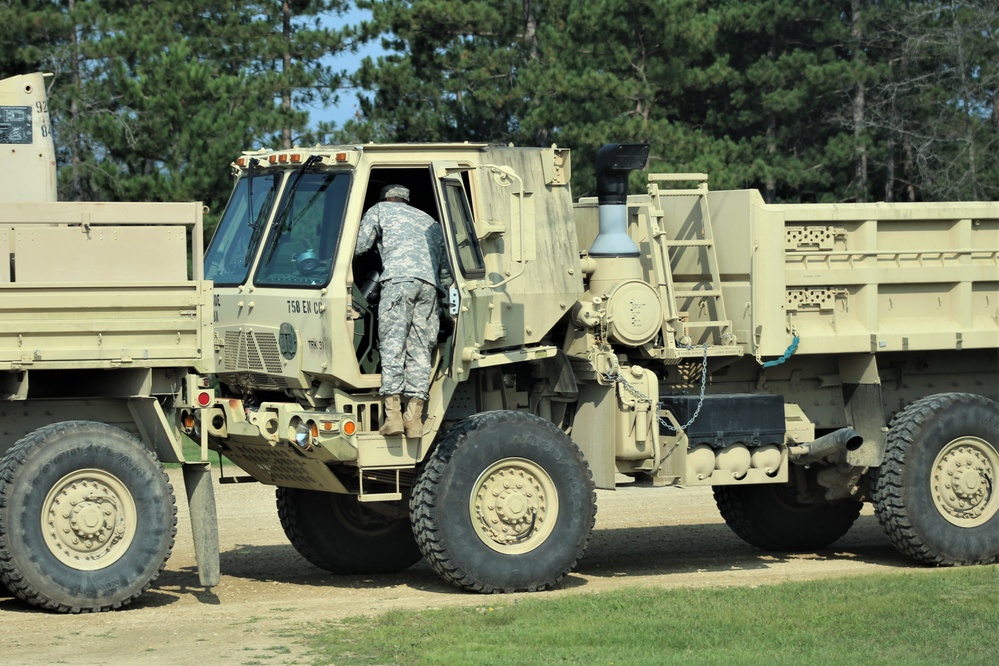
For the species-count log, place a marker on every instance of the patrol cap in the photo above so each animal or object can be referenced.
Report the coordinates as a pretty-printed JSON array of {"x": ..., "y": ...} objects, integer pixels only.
[{"x": 395, "y": 191}]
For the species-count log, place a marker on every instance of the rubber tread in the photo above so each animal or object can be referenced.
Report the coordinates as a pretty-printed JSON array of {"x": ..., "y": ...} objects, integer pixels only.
[
  {"x": 424, "y": 500},
  {"x": 16, "y": 457},
  {"x": 759, "y": 517},
  {"x": 313, "y": 530},
  {"x": 887, "y": 484}
]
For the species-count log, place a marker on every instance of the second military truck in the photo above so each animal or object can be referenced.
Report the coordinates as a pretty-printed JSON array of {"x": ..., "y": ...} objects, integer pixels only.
[{"x": 105, "y": 332}]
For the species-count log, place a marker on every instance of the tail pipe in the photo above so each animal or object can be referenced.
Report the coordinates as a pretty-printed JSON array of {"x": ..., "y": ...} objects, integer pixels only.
[{"x": 829, "y": 447}]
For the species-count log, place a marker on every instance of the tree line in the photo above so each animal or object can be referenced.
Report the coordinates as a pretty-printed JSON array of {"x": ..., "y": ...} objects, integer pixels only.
[{"x": 806, "y": 100}]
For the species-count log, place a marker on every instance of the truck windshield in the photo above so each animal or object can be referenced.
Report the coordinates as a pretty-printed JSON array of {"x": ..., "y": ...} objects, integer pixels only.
[
  {"x": 235, "y": 242},
  {"x": 300, "y": 248}
]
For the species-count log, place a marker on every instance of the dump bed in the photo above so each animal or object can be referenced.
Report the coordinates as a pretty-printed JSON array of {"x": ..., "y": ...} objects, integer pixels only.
[
  {"x": 103, "y": 285},
  {"x": 849, "y": 278}
]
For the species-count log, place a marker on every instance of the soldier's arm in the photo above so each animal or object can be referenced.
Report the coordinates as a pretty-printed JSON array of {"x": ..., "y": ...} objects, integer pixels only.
[{"x": 368, "y": 233}]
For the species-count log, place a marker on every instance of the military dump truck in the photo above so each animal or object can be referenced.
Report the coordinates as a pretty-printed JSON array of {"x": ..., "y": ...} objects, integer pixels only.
[
  {"x": 801, "y": 359},
  {"x": 105, "y": 332}
]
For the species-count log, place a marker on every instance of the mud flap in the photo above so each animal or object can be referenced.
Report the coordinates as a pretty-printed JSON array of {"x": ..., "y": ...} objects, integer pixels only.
[{"x": 204, "y": 521}]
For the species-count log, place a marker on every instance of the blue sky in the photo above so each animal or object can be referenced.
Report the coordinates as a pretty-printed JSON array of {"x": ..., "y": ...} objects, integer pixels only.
[{"x": 347, "y": 106}]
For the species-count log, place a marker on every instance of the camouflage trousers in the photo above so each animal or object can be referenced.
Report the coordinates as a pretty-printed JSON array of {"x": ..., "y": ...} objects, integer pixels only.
[{"x": 408, "y": 320}]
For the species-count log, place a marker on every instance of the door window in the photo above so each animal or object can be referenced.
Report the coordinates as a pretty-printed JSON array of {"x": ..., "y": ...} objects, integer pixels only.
[{"x": 463, "y": 230}]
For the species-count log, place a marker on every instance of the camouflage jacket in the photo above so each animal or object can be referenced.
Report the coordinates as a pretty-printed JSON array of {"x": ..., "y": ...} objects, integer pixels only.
[{"x": 410, "y": 242}]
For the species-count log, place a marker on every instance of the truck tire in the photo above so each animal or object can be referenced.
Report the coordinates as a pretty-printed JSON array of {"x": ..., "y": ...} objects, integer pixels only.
[
  {"x": 338, "y": 533},
  {"x": 87, "y": 518},
  {"x": 935, "y": 494},
  {"x": 770, "y": 517},
  {"x": 505, "y": 503}
]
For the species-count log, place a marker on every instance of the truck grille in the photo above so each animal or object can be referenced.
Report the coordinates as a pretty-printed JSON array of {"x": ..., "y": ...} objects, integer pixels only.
[
  {"x": 252, "y": 380},
  {"x": 247, "y": 350}
]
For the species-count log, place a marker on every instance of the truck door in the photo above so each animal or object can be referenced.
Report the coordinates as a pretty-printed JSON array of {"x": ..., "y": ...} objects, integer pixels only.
[{"x": 468, "y": 267}]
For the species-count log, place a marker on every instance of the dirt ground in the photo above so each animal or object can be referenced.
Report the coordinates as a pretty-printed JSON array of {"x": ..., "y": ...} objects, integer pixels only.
[{"x": 269, "y": 597}]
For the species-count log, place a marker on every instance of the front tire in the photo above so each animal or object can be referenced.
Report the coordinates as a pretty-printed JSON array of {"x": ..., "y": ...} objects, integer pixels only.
[
  {"x": 505, "y": 503},
  {"x": 87, "y": 517},
  {"x": 338, "y": 533},
  {"x": 935, "y": 495},
  {"x": 770, "y": 517}
]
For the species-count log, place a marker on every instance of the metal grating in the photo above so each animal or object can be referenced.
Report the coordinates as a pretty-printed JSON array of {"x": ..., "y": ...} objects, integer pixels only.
[
  {"x": 281, "y": 470},
  {"x": 231, "y": 349},
  {"x": 268, "y": 346},
  {"x": 252, "y": 354},
  {"x": 257, "y": 381}
]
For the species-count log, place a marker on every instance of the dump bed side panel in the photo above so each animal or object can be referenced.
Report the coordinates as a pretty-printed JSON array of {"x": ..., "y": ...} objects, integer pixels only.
[{"x": 853, "y": 278}]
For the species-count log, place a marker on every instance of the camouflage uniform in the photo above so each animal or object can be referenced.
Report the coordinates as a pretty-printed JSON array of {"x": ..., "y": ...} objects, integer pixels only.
[{"x": 414, "y": 277}]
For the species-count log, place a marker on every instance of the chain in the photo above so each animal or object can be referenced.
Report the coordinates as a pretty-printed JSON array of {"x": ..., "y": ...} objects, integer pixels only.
[{"x": 617, "y": 378}]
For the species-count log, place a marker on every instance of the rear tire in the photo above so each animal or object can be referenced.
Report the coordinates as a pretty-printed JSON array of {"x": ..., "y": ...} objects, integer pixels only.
[
  {"x": 935, "y": 494},
  {"x": 770, "y": 517},
  {"x": 338, "y": 533},
  {"x": 87, "y": 517},
  {"x": 505, "y": 503}
]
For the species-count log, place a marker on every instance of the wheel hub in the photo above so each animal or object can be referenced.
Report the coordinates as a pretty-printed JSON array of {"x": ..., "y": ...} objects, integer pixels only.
[
  {"x": 88, "y": 519},
  {"x": 964, "y": 482},
  {"x": 513, "y": 506}
]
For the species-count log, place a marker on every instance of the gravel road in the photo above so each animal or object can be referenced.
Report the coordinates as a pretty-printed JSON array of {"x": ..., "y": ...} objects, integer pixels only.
[{"x": 269, "y": 596}]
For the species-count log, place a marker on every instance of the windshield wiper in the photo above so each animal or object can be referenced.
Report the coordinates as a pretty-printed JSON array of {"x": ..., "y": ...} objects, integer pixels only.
[
  {"x": 280, "y": 224},
  {"x": 250, "y": 218},
  {"x": 289, "y": 195}
]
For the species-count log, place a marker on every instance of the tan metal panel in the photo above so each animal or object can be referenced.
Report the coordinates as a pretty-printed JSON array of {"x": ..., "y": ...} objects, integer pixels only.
[
  {"x": 28, "y": 166},
  {"x": 104, "y": 326},
  {"x": 861, "y": 277},
  {"x": 99, "y": 254},
  {"x": 117, "y": 213}
]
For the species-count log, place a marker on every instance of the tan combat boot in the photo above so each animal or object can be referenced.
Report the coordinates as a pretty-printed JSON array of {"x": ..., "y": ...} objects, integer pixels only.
[
  {"x": 393, "y": 416},
  {"x": 413, "y": 418}
]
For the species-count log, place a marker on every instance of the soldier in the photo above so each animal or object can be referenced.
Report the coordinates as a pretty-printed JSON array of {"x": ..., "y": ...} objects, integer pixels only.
[{"x": 414, "y": 276}]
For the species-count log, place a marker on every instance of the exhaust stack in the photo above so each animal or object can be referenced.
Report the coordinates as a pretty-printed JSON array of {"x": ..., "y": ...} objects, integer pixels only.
[{"x": 614, "y": 162}]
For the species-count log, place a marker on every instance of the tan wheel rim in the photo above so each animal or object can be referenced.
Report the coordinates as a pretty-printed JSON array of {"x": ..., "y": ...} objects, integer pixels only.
[
  {"x": 964, "y": 477},
  {"x": 514, "y": 506},
  {"x": 88, "y": 519}
]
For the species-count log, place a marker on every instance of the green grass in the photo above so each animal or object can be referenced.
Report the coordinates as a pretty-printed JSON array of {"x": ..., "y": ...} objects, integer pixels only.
[
  {"x": 192, "y": 450},
  {"x": 192, "y": 453},
  {"x": 946, "y": 616}
]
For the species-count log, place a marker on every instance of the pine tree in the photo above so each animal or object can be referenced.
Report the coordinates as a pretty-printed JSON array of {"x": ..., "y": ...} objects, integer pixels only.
[{"x": 152, "y": 101}]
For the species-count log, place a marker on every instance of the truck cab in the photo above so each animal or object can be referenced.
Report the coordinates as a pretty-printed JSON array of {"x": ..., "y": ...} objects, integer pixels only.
[{"x": 295, "y": 310}]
